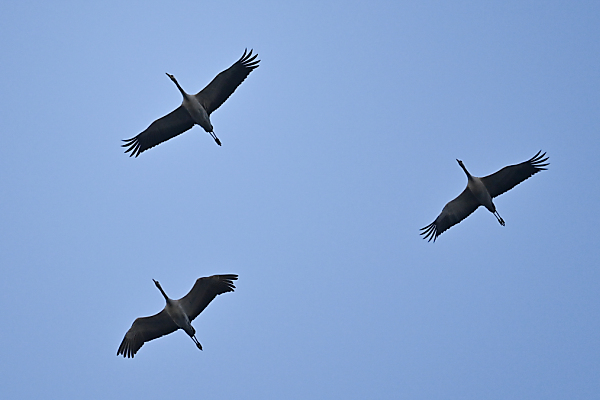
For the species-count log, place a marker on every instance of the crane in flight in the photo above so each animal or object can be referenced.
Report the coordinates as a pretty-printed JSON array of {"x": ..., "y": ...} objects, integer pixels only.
[
  {"x": 481, "y": 191},
  {"x": 195, "y": 109},
  {"x": 177, "y": 314}
]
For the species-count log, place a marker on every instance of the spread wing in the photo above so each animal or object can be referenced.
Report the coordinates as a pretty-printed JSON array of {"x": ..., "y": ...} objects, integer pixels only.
[
  {"x": 204, "y": 291},
  {"x": 145, "y": 329},
  {"x": 453, "y": 212},
  {"x": 509, "y": 177},
  {"x": 165, "y": 128},
  {"x": 224, "y": 84}
]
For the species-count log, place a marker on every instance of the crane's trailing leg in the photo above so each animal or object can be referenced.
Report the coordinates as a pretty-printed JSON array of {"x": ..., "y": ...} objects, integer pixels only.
[
  {"x": 499, "y": 218},
  {"x": 215, "y": 137},
  {"x": 198, "y": 345}
]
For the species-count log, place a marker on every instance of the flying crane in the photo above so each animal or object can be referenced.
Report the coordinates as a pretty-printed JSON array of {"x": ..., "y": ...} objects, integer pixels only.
[
  {"x": 195, "y": 109},
  {"x": 481, "y": 191},
  {"x": 177, "y": 314}
]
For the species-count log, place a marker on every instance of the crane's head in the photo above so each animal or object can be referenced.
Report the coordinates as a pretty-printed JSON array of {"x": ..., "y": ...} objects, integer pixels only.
[
  {"x": 171, "y": 76},
  {"x": 459, "y": 162},
  {"x": 156, "y": 283}
]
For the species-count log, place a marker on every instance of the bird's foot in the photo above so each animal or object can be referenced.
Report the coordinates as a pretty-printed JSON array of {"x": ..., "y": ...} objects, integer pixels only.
[
  {"x": 212, "y": 134},
  {"x": 499, "y": 218},
  {"x": 199, "y": 345}
]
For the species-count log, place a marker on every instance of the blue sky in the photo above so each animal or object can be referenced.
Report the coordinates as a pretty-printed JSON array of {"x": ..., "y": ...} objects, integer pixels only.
[{"x": 336, "y": 150}]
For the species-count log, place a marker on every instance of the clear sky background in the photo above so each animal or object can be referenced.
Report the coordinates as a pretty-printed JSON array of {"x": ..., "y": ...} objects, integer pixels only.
[{"x": 336, "y": 150}]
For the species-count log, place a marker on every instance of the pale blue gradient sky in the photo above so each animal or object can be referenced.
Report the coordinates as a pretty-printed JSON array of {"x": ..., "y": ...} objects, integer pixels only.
[{"x": 335, "y": 152}]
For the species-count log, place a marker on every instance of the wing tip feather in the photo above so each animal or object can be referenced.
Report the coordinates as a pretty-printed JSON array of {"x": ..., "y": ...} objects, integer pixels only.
[
  {"x": 430, "y": 232},
  {"x": 538, "y": 162},
  {"x": 133, "y": 145},
  {"x": 248, "y": 60}
]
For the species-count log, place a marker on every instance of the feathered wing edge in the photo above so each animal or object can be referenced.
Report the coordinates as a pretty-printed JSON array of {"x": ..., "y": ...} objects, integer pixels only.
[
  {"x": 204, "y": 291},
  {"x": 508, "y": 177},
  {"x": 227, "y": 81},
  {"x": 163, "y": 129},
  {"x": 145, "y": 329},
  {"x": 452, "y": 213}
]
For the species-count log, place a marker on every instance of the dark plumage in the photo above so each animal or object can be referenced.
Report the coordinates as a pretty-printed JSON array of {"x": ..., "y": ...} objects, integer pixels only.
[
  {"x": 176, "y": 314},
  {"x": 480, "y": 191},
  {"x": 195, "y": 109}
]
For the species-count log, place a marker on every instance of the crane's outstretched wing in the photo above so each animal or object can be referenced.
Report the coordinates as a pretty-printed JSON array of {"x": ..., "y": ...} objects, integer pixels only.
[
  {"x": 204, "y": 291},
  {"x": 165, "y": 128},
  {"x": 145, "y": 329},
  {"x": 509, "y": 177},
  {"x": 224, "y": 84},
  {"x": 453, "y": 212}
]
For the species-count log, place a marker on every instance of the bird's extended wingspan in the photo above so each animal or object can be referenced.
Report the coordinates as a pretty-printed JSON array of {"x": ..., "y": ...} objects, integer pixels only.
[
  {"x": 145, "y": 329},
  {"x": 224, "y": 84},
  {"x": 509, "y": 177},
  {"x": 204, "y": 291},
  {"x": 453, "y": 212},
  {"x": 165, "y": 128}
]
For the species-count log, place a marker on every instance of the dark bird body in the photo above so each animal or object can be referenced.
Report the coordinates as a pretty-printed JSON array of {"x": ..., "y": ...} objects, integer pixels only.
[
  {"x": 195, "y": 109},
  {"x": 481, "y": 191},
  {"x": 177, "y": 314}
]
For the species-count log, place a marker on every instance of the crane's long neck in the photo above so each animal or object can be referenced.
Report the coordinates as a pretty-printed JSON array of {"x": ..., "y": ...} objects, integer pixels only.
[
  {"x": 183, "y": 93},
  {"x": 469, "y": 176},
  {"x": 162, "y": 291},
  {"x": 180, "y": 88}
]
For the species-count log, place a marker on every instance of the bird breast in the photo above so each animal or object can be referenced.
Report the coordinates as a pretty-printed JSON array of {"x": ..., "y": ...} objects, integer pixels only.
[
  {"x": 481, "y": 193},
  {"x": 197, "y": 112},
  {"x": 178, "y": 316}
]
